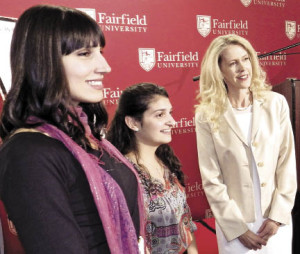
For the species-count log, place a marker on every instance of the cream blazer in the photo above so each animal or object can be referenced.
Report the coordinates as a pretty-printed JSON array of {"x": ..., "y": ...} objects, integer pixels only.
[{"x": 225, "y": 159}]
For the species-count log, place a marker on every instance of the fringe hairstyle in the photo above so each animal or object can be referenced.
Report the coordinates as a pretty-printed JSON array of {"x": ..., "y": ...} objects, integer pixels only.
[{"x": 42, "y": 36}]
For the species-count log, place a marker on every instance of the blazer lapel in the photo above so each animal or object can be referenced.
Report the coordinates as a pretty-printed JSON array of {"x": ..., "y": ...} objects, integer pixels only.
[
  {"x": 257, "y": 107},
  {"x": 231, "y": 120}
]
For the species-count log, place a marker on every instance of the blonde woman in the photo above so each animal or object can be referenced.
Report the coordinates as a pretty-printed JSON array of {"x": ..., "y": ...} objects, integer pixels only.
[{"x": 245, "y": 150}]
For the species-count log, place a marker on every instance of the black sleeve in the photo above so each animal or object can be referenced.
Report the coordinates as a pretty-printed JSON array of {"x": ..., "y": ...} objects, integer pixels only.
[{"x": 35, "y": 176}]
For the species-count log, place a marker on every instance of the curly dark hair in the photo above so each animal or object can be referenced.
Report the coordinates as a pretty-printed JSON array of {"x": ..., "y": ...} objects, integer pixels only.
[
  {"x": 134, "y": 101},
  {"x": 42, "y": 36}
]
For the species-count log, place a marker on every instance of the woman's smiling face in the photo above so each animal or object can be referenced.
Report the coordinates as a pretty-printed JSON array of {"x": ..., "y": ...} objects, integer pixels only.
[
  {"x": 85, "y": 69},
  {"x": 236, "y": 68}
]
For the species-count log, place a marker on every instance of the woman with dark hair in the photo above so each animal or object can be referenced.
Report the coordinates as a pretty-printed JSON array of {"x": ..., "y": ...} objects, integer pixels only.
[
  {"x": 63, "y": 185},
  {"x": 141, "y": 130}
]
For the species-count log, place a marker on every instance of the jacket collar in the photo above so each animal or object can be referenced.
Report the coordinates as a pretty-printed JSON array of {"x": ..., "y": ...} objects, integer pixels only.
[
  {"x": 257, "y": 107},
  {"x": 232, "y": 122}
]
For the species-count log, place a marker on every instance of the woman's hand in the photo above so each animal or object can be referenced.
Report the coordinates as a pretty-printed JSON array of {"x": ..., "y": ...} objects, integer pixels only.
[
  {"x": 251, "y": 240},
  {"x": 192, "y": 249},
  {"x": 268, "y": 229}
]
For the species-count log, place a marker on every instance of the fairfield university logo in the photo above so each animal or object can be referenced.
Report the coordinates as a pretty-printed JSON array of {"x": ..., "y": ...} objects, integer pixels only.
[
  {"x": 207, "y": 24},
  {"x": 268, "y": 3},
  {"x": 149, "y": 57},
  {"x": 290, "y": 29},
  {"x": 89, "y": 11},
  {"x": 203, "y": 25},
  {"x": 246, "y": 3},
  {"x": 123, "y": 22}
]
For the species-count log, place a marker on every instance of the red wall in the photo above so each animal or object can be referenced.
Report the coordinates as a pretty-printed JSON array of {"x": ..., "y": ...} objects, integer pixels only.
[{"x": 168, "y": 28}]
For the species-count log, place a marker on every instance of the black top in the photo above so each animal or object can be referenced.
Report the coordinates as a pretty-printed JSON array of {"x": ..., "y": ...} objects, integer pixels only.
[{"x": 47, "y": 196}]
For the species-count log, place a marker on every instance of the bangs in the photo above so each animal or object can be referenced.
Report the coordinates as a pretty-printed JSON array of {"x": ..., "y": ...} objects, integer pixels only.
[{"x": 80, "y": 31}]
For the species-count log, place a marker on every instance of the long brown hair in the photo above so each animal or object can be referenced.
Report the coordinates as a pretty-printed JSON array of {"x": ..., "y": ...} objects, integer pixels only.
[{"x": 42, "y": 36}]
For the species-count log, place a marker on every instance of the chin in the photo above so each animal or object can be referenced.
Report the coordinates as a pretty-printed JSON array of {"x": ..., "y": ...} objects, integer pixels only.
[{"x": 94, "y": 100}]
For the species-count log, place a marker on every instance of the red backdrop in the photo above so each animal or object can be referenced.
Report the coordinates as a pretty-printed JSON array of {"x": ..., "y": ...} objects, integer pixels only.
[{"x": 164, "y": 41}]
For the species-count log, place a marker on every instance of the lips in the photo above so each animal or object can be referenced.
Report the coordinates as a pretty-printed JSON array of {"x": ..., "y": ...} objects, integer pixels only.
[
  {"x": 97, "y": 84},
  {"x": 245, "y": 76}
]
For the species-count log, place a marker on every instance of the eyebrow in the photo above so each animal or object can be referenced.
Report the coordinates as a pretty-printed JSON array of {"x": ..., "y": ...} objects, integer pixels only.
[
  {"x": 162, "y": 109},
  {"x": 238, "y": 58}
]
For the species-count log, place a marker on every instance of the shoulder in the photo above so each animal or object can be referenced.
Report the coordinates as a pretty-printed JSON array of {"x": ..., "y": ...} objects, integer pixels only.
[
  {"x": 273, "y": 97},
  {"x": 34, "y": 155},
  {"x": 31, "y": 143},
  {"x": 199, "y": 117},
  {"x": 274, "y": 104}
]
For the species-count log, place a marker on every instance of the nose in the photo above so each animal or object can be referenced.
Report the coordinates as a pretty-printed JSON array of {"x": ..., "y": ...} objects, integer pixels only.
[
  {"x": 171, "y": 122},
  {"x": 101, "y": 64},
  {"x": 241, "y": 66}
]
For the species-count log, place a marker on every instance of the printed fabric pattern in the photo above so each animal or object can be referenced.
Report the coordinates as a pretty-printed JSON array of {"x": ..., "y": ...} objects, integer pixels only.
[{"x": 169, "y": 222}]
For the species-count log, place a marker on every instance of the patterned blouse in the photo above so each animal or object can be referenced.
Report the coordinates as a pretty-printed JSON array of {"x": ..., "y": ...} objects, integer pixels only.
[{"x": 169, "y": 223}]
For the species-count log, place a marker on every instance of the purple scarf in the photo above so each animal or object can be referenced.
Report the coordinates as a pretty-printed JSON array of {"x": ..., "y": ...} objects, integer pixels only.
[{"x": 109, "y": 198}]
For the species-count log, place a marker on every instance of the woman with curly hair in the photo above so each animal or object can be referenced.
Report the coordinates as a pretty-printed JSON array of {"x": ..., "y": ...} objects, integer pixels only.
[
  {"x": 245, "y": 150},
  {"x": 141, "y": 130}
]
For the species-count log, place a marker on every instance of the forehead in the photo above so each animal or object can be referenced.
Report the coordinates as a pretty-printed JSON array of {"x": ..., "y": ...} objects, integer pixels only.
[
  {"x": 232, "y": 52},
  {"x": 159, "y": 103}
]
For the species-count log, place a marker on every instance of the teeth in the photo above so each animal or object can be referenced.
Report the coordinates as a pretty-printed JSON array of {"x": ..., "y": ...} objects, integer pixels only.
[
  {"x": 95, "y": 83},
  {"x": 168, "y": 131}
]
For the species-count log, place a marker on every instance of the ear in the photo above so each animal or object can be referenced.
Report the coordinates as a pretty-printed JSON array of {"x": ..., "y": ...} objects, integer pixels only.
[{"x": 132, "y": 123}]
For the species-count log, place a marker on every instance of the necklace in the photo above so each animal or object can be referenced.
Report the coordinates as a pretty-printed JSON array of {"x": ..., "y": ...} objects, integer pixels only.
[{"x": 243, "y": 108}]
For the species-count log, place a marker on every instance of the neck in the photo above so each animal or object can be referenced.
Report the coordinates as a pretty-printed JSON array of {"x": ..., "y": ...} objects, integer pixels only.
[
  {"x": 145, "y": 154},
  {"x": 241, "y": 99},
  {"x": 148, "y": 161}
]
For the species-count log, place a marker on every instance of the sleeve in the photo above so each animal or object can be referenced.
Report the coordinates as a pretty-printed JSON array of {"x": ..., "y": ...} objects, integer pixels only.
[
  {"x": 192, "y": 226},
  {"x": 35, "y": 194},
  {"x": 286, "y": 179},
  {"x": 225, "y": 210},
  {"x": 1, "y": 240}
]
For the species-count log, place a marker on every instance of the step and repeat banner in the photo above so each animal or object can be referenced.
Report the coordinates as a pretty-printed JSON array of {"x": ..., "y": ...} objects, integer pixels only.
[{"x": 163, "y": 42}]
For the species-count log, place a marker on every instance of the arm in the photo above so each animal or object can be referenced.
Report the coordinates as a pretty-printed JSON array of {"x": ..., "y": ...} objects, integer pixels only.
[
  {"x": 35, "y": 194},
  {"x": 224, "y": 209},
  {"x": 285, "y": 174},
  {"x": 251, "y": 240},
  {"x": 192, "y": 249},
  {"x": 268, "y": 229}
]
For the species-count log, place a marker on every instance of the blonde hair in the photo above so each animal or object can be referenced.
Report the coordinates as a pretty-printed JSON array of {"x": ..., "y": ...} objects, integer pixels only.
[{"x": 213, "y": 92}]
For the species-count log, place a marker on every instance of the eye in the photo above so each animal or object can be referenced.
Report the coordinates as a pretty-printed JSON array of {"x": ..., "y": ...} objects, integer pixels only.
[
  {"x": 232, "y": 63},
  {"x": 85, "y": 53},
  {"x": 160, "y": 115}
]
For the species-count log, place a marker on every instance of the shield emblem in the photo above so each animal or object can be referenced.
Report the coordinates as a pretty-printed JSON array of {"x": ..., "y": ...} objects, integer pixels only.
[
  {"x": 246, "y": 3},
  {"x": 89, "y": 11},
  {"x": 203, "y": 25},
  {"x": 147, "y": 58},
  {"x": 290, "y": 29}
]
